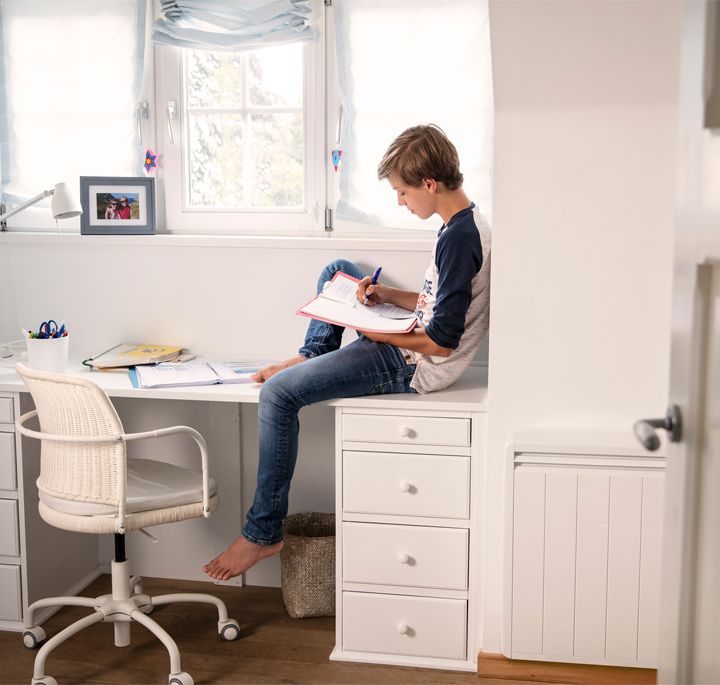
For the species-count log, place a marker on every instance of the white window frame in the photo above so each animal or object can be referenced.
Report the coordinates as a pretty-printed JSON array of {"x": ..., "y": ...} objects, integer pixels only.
[{"x": 175, "y": 217}]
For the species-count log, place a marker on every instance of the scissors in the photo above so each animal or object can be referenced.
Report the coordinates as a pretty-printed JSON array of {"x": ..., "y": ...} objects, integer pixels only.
[{"x": 48, "y": 329}]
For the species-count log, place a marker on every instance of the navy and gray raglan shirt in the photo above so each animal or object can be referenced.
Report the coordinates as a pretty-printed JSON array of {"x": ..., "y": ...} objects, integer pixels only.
[{"x": 454, "y": 304}]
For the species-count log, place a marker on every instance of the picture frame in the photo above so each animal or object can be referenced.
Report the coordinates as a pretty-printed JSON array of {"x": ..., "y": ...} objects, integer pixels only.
[{"x": 117, "y": 205}]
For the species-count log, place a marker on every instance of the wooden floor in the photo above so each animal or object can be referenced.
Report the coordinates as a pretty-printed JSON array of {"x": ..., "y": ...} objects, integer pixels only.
[{"x": 273, "y": 648}]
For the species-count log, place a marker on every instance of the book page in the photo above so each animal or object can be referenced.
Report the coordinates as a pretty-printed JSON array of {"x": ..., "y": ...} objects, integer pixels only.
[
  {"x": 172, "y": 374},
  {"x": 359, "y": 317},
  {"x": 236, "y": 371},
  {"x": 343, "y": 289}
]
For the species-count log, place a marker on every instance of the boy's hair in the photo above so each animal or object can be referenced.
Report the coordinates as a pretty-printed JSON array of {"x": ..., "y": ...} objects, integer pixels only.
[{"x": 422, "y": 152}]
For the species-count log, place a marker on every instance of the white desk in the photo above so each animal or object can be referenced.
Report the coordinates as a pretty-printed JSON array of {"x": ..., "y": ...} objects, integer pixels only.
[{"x": 442, "y": 431}]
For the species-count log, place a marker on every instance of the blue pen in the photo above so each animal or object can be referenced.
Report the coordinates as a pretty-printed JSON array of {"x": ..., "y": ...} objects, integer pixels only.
[{"x": 374, "y": 280}]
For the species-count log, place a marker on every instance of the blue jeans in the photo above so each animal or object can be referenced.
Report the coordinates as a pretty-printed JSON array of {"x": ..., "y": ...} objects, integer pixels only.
[{"x": 361, "y": 368}]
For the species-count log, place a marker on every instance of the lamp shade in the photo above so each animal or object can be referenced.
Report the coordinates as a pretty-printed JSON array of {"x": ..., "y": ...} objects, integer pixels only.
[{"x": 64, "y": 204}]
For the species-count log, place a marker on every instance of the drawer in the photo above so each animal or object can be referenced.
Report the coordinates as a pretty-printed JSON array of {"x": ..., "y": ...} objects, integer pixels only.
[
  {"x": 10, "y": 597},
  {"x": 408, "y": 430},
  {"x": 406, "y": 484},
  {"x": 412, "y": 556},
  {"x": 414, "y": 626},
  {"x": 7, "y": 415},
  {"x": 8, "y": 479},
  {"x": 9, "y": 535}
]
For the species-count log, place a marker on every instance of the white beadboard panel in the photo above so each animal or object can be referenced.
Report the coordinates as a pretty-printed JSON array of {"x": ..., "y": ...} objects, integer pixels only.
[
  {"x": 653, "y": 492},
  {"x": 559, "y": 571},
  {"x": 623, "y": 567},
  {"x": 528, "y": 561},
  {"x": 591, "y": 565},
  {"x": 9, "y": 528}
]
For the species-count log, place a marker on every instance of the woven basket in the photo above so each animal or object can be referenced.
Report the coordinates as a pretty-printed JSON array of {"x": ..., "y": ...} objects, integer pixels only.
[{"x": 308, "y": 564}]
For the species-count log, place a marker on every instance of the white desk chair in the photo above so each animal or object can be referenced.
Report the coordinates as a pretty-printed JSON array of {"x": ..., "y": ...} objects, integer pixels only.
[{"x": 88, "y": 485}]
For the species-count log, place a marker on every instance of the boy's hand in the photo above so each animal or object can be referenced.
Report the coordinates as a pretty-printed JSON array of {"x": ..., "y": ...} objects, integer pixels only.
[{"x": 375, "y": 294}]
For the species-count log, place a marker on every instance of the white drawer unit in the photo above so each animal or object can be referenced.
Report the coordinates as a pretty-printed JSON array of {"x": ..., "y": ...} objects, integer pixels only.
[
  {"x": 416, "y": 430},
  {"x": 7, "y": 415},
  {"x": 413, "y": 556},
  {"x": 406, "y": 484},
  {"x": 413, "y": 626},
  {"x": 408, "y": 531},
  {"x": 9, "y": 528},
  {"x": 8, "y": 477},
  {"x": 11, "y": 596},
  {"x": 583, "y": 555}
]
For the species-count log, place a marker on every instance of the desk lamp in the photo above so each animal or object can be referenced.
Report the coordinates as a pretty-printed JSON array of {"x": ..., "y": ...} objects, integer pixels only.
[{"x": 64, "y": 205}]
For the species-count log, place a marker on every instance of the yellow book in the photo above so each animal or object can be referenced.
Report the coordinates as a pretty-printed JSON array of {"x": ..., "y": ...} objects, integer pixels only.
[{"x": 131, "y": 354}]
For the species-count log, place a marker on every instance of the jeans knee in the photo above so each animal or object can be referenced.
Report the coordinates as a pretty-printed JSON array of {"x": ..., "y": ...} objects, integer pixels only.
[
  {"x": 336, "y": 265},
  {"x": 277, "y": 393}
]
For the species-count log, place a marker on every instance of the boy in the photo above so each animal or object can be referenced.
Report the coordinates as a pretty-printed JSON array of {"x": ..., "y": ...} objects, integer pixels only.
[{"x": 453, "y": 312}]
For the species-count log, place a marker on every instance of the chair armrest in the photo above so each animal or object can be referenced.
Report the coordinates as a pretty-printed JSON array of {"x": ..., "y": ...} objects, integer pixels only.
[
  {"x": 199, "y": 440},
  {"x": 126, "y": 437}
]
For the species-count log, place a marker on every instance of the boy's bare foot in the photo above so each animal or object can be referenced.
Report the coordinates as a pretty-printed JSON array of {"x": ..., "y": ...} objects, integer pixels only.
[
  {"x": 269, "y": 371},
  {"x": 238, "y": 558}
]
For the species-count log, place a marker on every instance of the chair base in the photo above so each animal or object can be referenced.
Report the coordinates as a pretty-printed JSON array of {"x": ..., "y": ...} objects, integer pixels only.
[{"x": 126, "y": 603}]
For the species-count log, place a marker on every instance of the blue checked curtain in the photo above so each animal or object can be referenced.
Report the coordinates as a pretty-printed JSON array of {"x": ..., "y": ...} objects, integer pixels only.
[
  {"x": 402, "y": 63},
  {"x": 70, "y": 79},
  {"x": 232, "y": 24}
]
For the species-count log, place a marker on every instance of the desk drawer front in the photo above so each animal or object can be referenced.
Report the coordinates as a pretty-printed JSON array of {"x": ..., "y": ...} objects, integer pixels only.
[
  {"x": 9, "y": 535},
  {"x": 414, "y": 626},
  {"x": 7, "y": 415},
  {"x": 416, "y": 430},
  {"x": 10, "y": 597},
  {"x": 406, "y": 484},
  {"x": 412, "y": 556},
  {"x": 8, "y": 479}
]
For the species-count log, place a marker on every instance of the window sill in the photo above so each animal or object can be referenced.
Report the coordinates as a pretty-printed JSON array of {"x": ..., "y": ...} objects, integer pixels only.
[{"x": 332, "y": 242}]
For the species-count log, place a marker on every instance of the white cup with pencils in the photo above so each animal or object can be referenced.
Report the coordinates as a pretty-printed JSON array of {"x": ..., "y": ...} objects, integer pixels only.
[{"x": 48, "y": 347}]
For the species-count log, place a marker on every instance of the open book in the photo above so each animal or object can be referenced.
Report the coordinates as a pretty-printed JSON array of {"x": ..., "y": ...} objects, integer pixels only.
[
  {"x": 130, "y": 354},
  {"x": 199, "y": 371},
  {"x": 338, "y": 304}
]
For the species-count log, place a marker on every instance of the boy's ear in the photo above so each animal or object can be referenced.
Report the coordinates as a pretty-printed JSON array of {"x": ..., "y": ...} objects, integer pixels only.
[{"x": 430, "y": 184}]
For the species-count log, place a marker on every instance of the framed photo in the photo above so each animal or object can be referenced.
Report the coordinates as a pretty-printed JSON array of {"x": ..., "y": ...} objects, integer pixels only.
[{"x": 117, "y": 205}]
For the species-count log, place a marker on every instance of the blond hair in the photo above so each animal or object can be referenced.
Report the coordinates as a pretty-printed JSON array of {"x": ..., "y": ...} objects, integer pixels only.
[{"x": 419, "y": 153}]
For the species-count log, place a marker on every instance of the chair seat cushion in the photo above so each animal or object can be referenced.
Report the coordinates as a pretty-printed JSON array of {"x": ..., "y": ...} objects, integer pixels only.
[{"x": 150, "y": 485}]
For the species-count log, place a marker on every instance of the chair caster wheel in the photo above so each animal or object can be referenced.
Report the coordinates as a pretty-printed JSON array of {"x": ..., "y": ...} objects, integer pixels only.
[
  {"x": 230, "y": 630},
  {"x": 181, "y": 679},
  {"x": 45, "y": 680},
  {"x": 33, "y": 637}
]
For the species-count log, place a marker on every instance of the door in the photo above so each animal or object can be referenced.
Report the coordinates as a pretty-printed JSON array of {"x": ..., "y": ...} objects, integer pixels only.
[{"x": 690, "y": 610}]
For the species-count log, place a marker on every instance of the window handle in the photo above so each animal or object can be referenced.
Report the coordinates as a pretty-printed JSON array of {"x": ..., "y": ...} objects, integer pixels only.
[
  {"x": 141, "y": 112},
  {"x": 171, "y": 110}
]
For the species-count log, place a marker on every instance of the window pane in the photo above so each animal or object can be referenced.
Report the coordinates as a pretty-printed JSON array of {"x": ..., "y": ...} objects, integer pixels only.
[
  {"x": 216, "y": 145},
  {"x": 275, "y": 76},
  {"x": 245, "y": 143},
  {"x": 277, "y": 160},
  {"x": 240, "y": 162},
  {"x": 215, "y": 79}
]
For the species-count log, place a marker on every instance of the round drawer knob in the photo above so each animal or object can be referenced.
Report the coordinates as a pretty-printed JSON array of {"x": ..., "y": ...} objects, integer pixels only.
[
  {"x": 402, "y": 628},
  {"x": 405, "y": 486},
  {"x": 405, "y": 432},
  {"x": 404, "y": 558}
]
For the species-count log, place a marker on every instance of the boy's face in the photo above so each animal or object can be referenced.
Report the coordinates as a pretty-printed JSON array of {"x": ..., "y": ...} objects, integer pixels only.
[{"x": 420, "y": 200}]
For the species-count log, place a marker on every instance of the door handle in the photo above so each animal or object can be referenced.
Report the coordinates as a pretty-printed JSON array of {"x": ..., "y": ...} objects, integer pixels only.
[{"x": 645, "y": 428}]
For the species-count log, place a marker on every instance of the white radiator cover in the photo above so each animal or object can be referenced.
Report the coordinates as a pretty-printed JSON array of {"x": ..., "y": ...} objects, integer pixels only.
[{"x": 583, "y": 542}]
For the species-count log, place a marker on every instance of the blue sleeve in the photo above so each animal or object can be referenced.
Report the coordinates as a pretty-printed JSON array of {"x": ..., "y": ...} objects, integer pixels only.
[{"x": 458, "y": 258}]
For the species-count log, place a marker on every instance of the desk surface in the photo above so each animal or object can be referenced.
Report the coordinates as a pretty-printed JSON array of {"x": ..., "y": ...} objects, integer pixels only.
[{"x": 468, "y": 394}]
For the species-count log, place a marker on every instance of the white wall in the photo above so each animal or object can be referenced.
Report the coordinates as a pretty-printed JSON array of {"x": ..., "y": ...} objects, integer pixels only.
[{"x": 586, "y": 108}]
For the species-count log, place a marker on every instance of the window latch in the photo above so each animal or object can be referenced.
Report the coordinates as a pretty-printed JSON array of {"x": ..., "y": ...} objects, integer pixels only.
[{"x": 171, "y": 110}]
